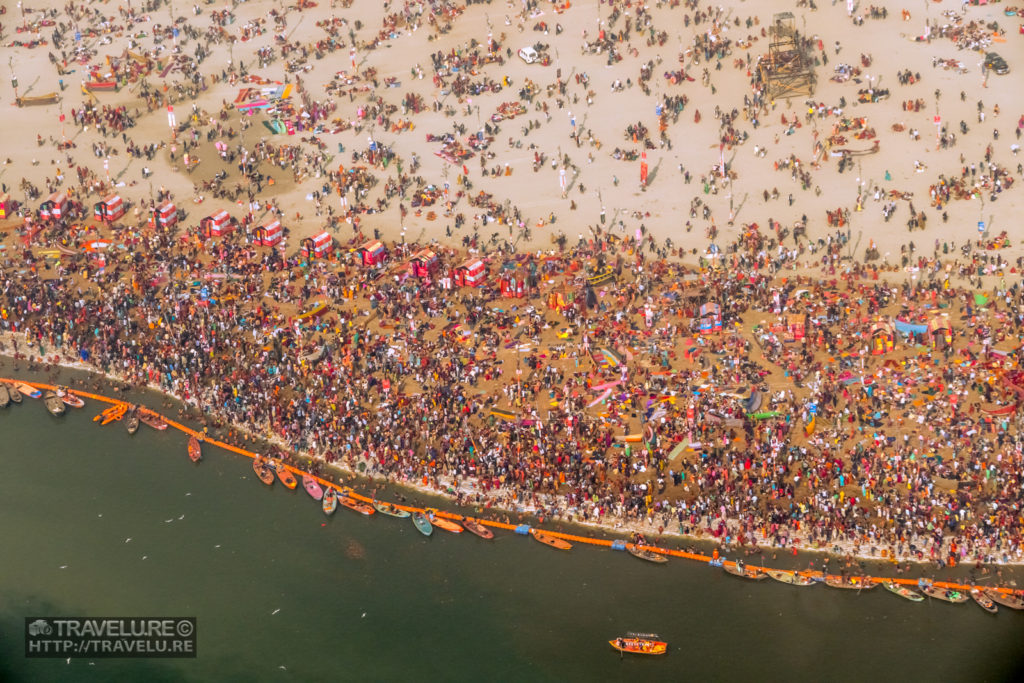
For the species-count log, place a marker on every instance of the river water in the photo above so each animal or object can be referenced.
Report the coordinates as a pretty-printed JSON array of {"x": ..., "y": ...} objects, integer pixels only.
[{"x": 283, "y": 593}]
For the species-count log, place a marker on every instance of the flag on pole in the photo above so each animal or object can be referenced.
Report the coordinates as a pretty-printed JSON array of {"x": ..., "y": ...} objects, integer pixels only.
[{"x": 643, "y": 168}]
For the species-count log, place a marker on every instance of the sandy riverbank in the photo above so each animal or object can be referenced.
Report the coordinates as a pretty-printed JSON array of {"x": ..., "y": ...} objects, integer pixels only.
[{"x": 663, "y": 208}]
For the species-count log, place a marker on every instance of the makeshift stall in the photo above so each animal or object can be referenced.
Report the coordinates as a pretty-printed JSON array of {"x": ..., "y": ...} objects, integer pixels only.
[
  {"x": 796, "y": 326},
  {"x": 424, "y": 263},
  {"x": 941, "y": 332},
  {"x": 96, "y": 249},
  {"x": 217, "y": 224},
  {"x": 882, "y": 338},
  {"x": 165, "y": 215},
  {"x": 109, "y": 209},
  {"x": 55, "y": 206},
  {"x": 471, "y": 273},
  {"x": 710, "y": 318},
  {"x": 513, "y": 285},
  {"x": 317, "y": 246},
  {"x": 913, "y": 332},
  {"x": 373, "y": 253},
  {"x": 269, "y": 234}
]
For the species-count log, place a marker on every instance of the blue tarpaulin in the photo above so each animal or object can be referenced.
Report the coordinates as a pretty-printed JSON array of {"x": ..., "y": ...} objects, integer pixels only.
[{"x": 910, "y": 328}]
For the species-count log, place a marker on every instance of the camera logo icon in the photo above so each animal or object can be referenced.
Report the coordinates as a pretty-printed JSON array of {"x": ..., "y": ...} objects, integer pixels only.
[{"x": 40, "y": 627}]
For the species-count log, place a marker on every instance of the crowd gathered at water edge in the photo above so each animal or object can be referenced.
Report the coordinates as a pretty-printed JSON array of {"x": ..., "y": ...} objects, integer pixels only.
[{"x": 756, "y": 391}]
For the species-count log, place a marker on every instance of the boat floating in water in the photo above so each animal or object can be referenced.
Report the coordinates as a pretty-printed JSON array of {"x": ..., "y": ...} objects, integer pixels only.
[
  {"x": 64, "y": 394},
  {"x": 422, "y": 524},
  {"x": 743, "y": 571},
  {"x": 195, "y": 452},
  {"x": 28, "y": 390},
  {"x": 285, "y": 475},
  {"x": 5, "y": 398},
  {"x": 330, "y": 501},
  {"x": 475, "y": 527},
  {"x": 446, "y": 524},
  {"x": 54, "y": 404},
  {"x": 263, "y": 471},
  {"x": 647, "y": 554},
  {"x": 13, "y": 393},
  {"x": 550, "y": 541},
  {"x": 390, "y": 510},
  {"x": 945, "y": 594},
  {"x": 132, "y": 425},
  {"x": 903, "y": 591},
  {"x": 1013, "y": 600},
  {"x": 152, "y": 419},
  {"x": 856, "y": 583},
  {"x": 313, "y": 488},
  {"x": 646, "y": 644},
  {"x": 984, "y": 601},
  {"x": 791, "y": 578},
  {"x": 359, "y": 506}
]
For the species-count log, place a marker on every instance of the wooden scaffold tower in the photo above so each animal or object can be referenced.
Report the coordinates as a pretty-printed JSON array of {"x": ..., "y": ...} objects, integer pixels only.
[{"x": 785, "y": 70}]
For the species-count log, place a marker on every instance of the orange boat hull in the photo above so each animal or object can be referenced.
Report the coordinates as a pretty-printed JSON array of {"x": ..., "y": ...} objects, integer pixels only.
[
  {"x": 639, "y": 646},
  {"x": 353, "y": 504},
  {"x": 550, "y": 541},
  {"x": 194, "y": 450},
  {"x": 286, "y": 477},
  {"x": 447, "y": 525}
]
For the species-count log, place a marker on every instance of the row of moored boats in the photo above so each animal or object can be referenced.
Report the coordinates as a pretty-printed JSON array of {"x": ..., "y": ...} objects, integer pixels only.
[
  {"x": 986, "y": 598},
  {"x": 330, "y": 497},
  {"x": 57, "y": 402}
]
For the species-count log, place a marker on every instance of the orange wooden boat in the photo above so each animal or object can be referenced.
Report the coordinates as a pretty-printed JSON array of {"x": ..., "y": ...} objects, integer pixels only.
[
  {"x": 263, "y": 471},
  {"x": 446, "y": 524},
  {"x": 194, "y": 450},
  {"x": 549, "y": 540},
  {"x": 353, "y": 504},
  {"x": 286, "y": 477},
  {"x": 640, "y": 646}
]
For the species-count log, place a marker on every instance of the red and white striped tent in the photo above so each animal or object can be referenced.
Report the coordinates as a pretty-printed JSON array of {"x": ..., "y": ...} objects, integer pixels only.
[
  {"x": 317, "y": 246},
  {"x": 423, "y": 263},
  {"x": 110, "y": 209},
  {"x": 269, "y": 234},
  {"x": 470, "y": 273},
  {"x": 55, "y": 206},
  {"x": 373, "y": 253},
  {"x": 216, "y": 224},
  {"x": 165, "y": 214}
]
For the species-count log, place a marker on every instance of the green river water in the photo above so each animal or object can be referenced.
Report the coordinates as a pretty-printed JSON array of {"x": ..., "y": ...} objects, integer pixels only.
[{"x": 283, "y": 593}]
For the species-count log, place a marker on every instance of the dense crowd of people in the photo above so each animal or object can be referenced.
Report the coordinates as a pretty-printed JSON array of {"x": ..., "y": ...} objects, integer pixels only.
[{"x": 767, "y": 393}]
